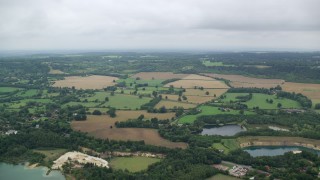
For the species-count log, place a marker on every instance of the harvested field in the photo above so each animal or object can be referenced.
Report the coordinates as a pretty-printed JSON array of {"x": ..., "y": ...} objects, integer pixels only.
[
  {"x": 158, "y": 75},
  {"x": 190, "y": 84},
  {"x": 99, "y": 127},
  {"x": 88, "y": 82},
  {"x": 172, "y": 104},
  {"x": 172, "y": 97},
  {"x": 312, "y": 91},
  {"x": 199, "y": 99},
  {"x": 243, "y": 81},
  {"x": 198, "y": 77}
]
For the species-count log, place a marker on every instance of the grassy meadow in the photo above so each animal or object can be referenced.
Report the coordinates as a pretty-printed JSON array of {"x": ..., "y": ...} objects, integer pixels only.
[
  {"x": 208, "y": 110},
  {"x": 132, "y": 164},
  {"x": 260, "y": 101}
]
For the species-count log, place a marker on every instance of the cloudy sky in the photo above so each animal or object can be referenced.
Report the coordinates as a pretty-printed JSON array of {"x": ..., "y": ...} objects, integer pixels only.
[{"x": 160, "y": 24}]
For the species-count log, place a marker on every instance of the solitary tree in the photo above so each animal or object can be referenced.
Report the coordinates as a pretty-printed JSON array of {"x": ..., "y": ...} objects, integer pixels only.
[{"x": 112, "y": 112}]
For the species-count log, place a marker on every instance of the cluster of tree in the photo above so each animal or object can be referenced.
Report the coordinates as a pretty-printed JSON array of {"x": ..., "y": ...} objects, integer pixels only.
[
  {"x": 140, "y": 123},
  {"x": 151, "y": 103},
  {"x": 303, "y": 100},
  {"x": 244, "y": 98},
  {"x": 110, "y": 88},
  {"x": 270, "y": 101},
  {"x": 287, "y": 166},
  {"x": 169, "y": 80},
  {"x": 112, "y": 112},
  {"x": 249, "y": 90}
]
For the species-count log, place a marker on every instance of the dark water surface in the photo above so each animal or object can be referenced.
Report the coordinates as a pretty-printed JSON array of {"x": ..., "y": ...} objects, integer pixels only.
[{"x": 275, "y": 151}]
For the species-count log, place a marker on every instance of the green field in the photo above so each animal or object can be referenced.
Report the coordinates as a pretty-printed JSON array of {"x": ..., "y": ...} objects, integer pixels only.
[
  {"x": 118, "y": 101},
  {"x": 8, "y": 89},
  {"x": 260, "y": 101},
  {"x": 132, "y": 164},
  {"x": 208, "y": 110},
  {"x": 51, "y": 154},
  {"x": 226, "y": 145},
  {"x": 24, "y": 102},
  {"x": 314, "y": 102},
  {"x": 28, "y": 93},
  {"x": 123, "y": 101},
  {"x": 85, "y": 104},
  {"x": 222, "y": 177}
]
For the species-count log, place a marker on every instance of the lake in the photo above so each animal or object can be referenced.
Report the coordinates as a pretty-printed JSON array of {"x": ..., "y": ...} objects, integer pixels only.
[
  {"x": 257, "y": 151},
  {"x": 226, "y": 130},
  {"x": 13, "y": 172}
]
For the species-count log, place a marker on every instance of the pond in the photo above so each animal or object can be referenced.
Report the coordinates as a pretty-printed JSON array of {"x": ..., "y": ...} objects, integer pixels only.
[
  {"x": 257, "y": 151},
  {"x": 9, "y": 171},
  {"x": 226, "y": 130}
]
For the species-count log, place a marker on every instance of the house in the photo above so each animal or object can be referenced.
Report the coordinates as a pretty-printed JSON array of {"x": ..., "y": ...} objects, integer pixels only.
[{"x": 9, "y": 132}]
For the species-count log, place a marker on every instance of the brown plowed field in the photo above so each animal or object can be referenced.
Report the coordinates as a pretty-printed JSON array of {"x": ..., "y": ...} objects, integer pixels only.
[
  {"x": 243, "y": 81},
  {"x": 312, "y": 91},
  {"x": 99, "y": 127}
]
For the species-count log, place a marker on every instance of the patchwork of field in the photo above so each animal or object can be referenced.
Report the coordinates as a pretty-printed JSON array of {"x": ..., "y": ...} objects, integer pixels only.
[
  {"x": 192, "y": 83},
  {"x": 243, "y": 81},
  {"x": 198, "y": 96},
  {"x": 88, "y": 82},
  {"x": 118, "y": 101},
  {"x": 207, "y": 110},
  {"x": 158, "y": 75},
  {"x": 174, "y": 104},
  {"x": 132, "y": 164},
  {"x": 260, "y": 101},
  {"x": 103, "y": 127},
  {"x": 312, "y": 91}
]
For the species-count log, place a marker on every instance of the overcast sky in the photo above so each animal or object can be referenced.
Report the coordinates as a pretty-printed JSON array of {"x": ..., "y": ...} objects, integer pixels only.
[{"x": 160, "y": 24}]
